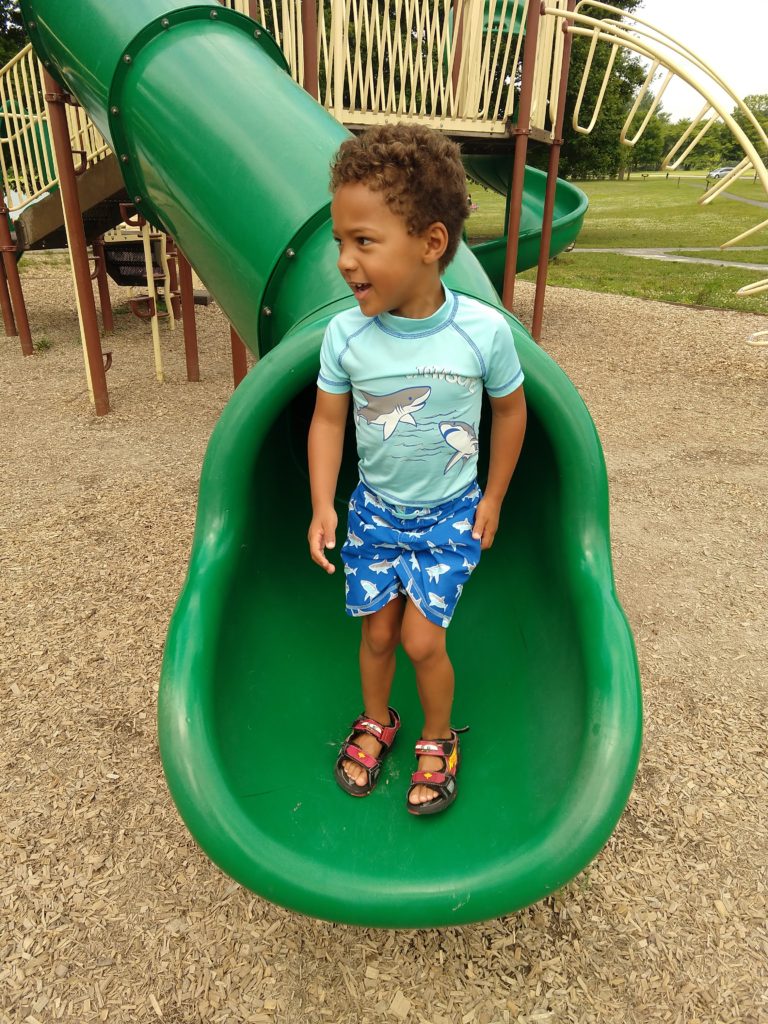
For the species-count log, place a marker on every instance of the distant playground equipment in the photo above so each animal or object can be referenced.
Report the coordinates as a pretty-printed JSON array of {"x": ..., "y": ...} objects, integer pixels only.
[
  {"x": 673, "y": 59},
  {"x": 160, "y": 79},
  {"x": 137, "y": 257}
]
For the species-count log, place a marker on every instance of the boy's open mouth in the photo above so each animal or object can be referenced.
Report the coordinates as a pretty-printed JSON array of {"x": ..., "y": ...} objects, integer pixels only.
[{"x": 359, "y": 289}]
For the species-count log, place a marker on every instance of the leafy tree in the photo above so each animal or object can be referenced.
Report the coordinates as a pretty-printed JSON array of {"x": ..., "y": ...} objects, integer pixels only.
[
  {"x": 647, "y": 153},
  {"x": 731, "y": 150},
  {"x": 13, "y": 36}
]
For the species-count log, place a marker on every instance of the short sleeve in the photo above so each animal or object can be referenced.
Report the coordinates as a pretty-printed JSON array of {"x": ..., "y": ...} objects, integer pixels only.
[
  {"x": 332, "y": 377},
  {"x": 503, "y": 371}
]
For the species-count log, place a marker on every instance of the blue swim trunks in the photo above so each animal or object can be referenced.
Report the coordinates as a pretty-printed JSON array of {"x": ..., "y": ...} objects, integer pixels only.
[{"x": 428, "y": 554}]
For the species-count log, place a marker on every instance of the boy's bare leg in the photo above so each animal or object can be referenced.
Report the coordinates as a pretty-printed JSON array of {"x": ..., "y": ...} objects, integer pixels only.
[
  {"x": 424, "y": 643},
  {"x": 379, "y": 641}
]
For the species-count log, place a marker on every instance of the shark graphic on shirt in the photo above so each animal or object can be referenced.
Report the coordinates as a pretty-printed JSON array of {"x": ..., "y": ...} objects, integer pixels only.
[
  {"x": 389, "y": 411},
  {"x": 461, "y": 437}
]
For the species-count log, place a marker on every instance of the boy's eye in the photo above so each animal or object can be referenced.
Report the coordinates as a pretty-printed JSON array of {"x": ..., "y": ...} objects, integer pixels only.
[{"x": 363, "y": 241}]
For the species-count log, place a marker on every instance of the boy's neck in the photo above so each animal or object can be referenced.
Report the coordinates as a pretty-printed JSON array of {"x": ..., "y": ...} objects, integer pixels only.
[{"x": 420, "y": 306}]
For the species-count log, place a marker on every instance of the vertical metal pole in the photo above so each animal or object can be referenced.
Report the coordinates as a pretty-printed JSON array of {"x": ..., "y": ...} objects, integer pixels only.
[
  {"x": 14, "y": 281},
  {"x": 458, "y": 31},
  {"x": 521, "y": 132},
  {"x": 549, "y": 196},
  {"x": 103, "y": 285},
  {"x": 152, "y": 300},
  {"x": 309, "y": 37},
  {"x": 5, "y": 303},
  {"x": 173, "y": 271},
  {"x": 188, "y": 316},
  {"x": 77, "y": 248},
  {"x": 239, "y": 357}
]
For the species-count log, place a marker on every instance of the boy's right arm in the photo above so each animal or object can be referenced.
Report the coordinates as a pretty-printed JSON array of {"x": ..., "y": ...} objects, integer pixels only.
[{"x": 325, "y": 445}]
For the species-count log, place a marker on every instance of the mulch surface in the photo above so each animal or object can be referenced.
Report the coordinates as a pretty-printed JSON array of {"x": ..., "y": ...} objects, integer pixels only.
[{"x": 111, "y": 913}]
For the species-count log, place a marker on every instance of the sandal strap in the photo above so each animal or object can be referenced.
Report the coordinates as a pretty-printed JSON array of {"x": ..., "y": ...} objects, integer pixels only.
[
  {"x": 429, "y": 778},
  {"x": 354, "y": 753},
  {"x": 436, "y": 748},
  {"x": 383, "y": 733},
  {"x": 428, "y": 747}
]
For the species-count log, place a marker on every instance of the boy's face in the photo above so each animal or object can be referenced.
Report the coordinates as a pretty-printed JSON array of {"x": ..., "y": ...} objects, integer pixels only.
[{"x": 388, "y": 269}]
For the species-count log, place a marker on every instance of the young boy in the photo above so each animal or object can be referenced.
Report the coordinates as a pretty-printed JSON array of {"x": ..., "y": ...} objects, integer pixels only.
[{"x": 414, "y": 357}]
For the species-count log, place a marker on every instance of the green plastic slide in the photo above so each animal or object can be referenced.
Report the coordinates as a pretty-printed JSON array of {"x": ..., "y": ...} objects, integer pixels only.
[
  {"x": 259, "y": 681},
  {"x": 495, "y": 171}
]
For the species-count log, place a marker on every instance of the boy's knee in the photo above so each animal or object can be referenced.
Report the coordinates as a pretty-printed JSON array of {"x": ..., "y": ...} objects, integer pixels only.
[
  {"x": 380, "y": 635},
  {"x": 422, "y": 640}
]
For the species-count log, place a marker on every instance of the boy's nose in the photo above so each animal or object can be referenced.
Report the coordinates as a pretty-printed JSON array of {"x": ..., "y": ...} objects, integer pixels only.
[{"x": 346, "y": 261}]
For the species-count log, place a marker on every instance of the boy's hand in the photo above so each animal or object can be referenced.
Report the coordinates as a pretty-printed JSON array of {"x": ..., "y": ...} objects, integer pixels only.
[
  {"x": 486, "y": 522},
  {"x": 322, "y": 534}
]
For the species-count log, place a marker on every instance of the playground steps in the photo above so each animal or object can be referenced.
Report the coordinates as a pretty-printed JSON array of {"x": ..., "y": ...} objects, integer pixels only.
[{"x": 100, "y": 188}]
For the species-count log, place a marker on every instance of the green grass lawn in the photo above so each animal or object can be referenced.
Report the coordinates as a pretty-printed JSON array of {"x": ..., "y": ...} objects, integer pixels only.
[
  {"x": 650, "y": 213},
  {"x": 686, "y": 283},
  {"x": 655, "y": 212}
]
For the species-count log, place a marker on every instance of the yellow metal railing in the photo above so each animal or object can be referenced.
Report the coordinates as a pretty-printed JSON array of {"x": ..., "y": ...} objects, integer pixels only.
[
  {"x": 450, "y": 64},
  {"x": 26, "y": 152},
  {"x": 618, "y": 30},
  {"x": 282, "y": 19}
]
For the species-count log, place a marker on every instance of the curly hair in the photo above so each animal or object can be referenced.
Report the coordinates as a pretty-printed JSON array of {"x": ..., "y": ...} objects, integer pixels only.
[{"x": 419, "y": 172}]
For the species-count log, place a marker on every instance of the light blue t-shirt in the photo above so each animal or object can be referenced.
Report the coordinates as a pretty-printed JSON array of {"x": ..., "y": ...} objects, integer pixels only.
[{"x": 417, "y": 389}]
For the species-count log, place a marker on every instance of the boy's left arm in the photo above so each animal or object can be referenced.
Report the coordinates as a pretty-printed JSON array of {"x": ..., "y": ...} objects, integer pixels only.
[{"x": 507, "y": 432}]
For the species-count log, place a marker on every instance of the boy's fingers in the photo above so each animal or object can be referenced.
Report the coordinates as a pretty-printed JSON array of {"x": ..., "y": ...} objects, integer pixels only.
[{"x": 317, "y": 545}]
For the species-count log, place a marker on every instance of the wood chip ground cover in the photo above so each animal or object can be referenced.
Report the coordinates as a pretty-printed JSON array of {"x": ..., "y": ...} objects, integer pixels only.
[{"x": 109, "y": 911}]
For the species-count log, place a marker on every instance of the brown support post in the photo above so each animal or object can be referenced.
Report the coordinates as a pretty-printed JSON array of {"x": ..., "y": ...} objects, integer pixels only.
[
  {"x": 14, "y": 281},
  {"x": 78, "y": 250},
  {"x": 458, "y": 28},
  {"x": 188, "y": 316},
  {"x": 239, "y": 357},
  {"x": 5, "y": 303},
  {"x": 309, "y": 36},
  {"x": 173, "y": 275},
  {"x": 549, "y": 196},
  {"x": 521, "y": 133},
  {"x": 100, "y": 274}
]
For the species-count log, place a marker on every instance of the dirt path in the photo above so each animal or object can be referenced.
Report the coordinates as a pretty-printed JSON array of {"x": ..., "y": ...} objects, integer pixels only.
[
  {"x": 110, "y": 912},
  {"x": 671, "y": 255}
]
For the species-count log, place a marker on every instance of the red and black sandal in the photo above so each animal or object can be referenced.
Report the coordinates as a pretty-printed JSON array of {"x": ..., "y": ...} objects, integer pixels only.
[
  {"x": 385, "y": 734},
  {"x": 443, "y": 781}
]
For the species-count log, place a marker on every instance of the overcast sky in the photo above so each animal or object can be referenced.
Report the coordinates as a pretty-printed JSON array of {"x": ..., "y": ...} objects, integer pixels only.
[{"x": 732, "y": 37}]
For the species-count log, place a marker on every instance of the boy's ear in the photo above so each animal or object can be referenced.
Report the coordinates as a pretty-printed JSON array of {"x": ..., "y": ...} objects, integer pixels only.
[{"x": 435, "y": 241}]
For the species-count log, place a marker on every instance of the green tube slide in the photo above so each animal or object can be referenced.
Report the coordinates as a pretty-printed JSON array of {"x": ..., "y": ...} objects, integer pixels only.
[
  {"x": 495, "y": 171},
  {"x": 259, "y": 681}
]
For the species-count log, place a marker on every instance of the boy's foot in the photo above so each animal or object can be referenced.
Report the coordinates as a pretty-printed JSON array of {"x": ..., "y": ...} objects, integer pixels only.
[
  {"x": 438, "y": 776},
  {"x": 362, "y": 752},
  {"x": 423, "y": 794},
  {"x": 357, "y": 774}
]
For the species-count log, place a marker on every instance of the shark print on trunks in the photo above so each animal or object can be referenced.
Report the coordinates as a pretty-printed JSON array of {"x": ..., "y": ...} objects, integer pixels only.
[{"x": 427, "y": 557}]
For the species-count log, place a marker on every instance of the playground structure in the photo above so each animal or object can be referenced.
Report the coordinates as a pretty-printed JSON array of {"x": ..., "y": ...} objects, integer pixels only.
[
  {"x": 350, "y": 58},
  {"x": 232, "y": 679}
]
